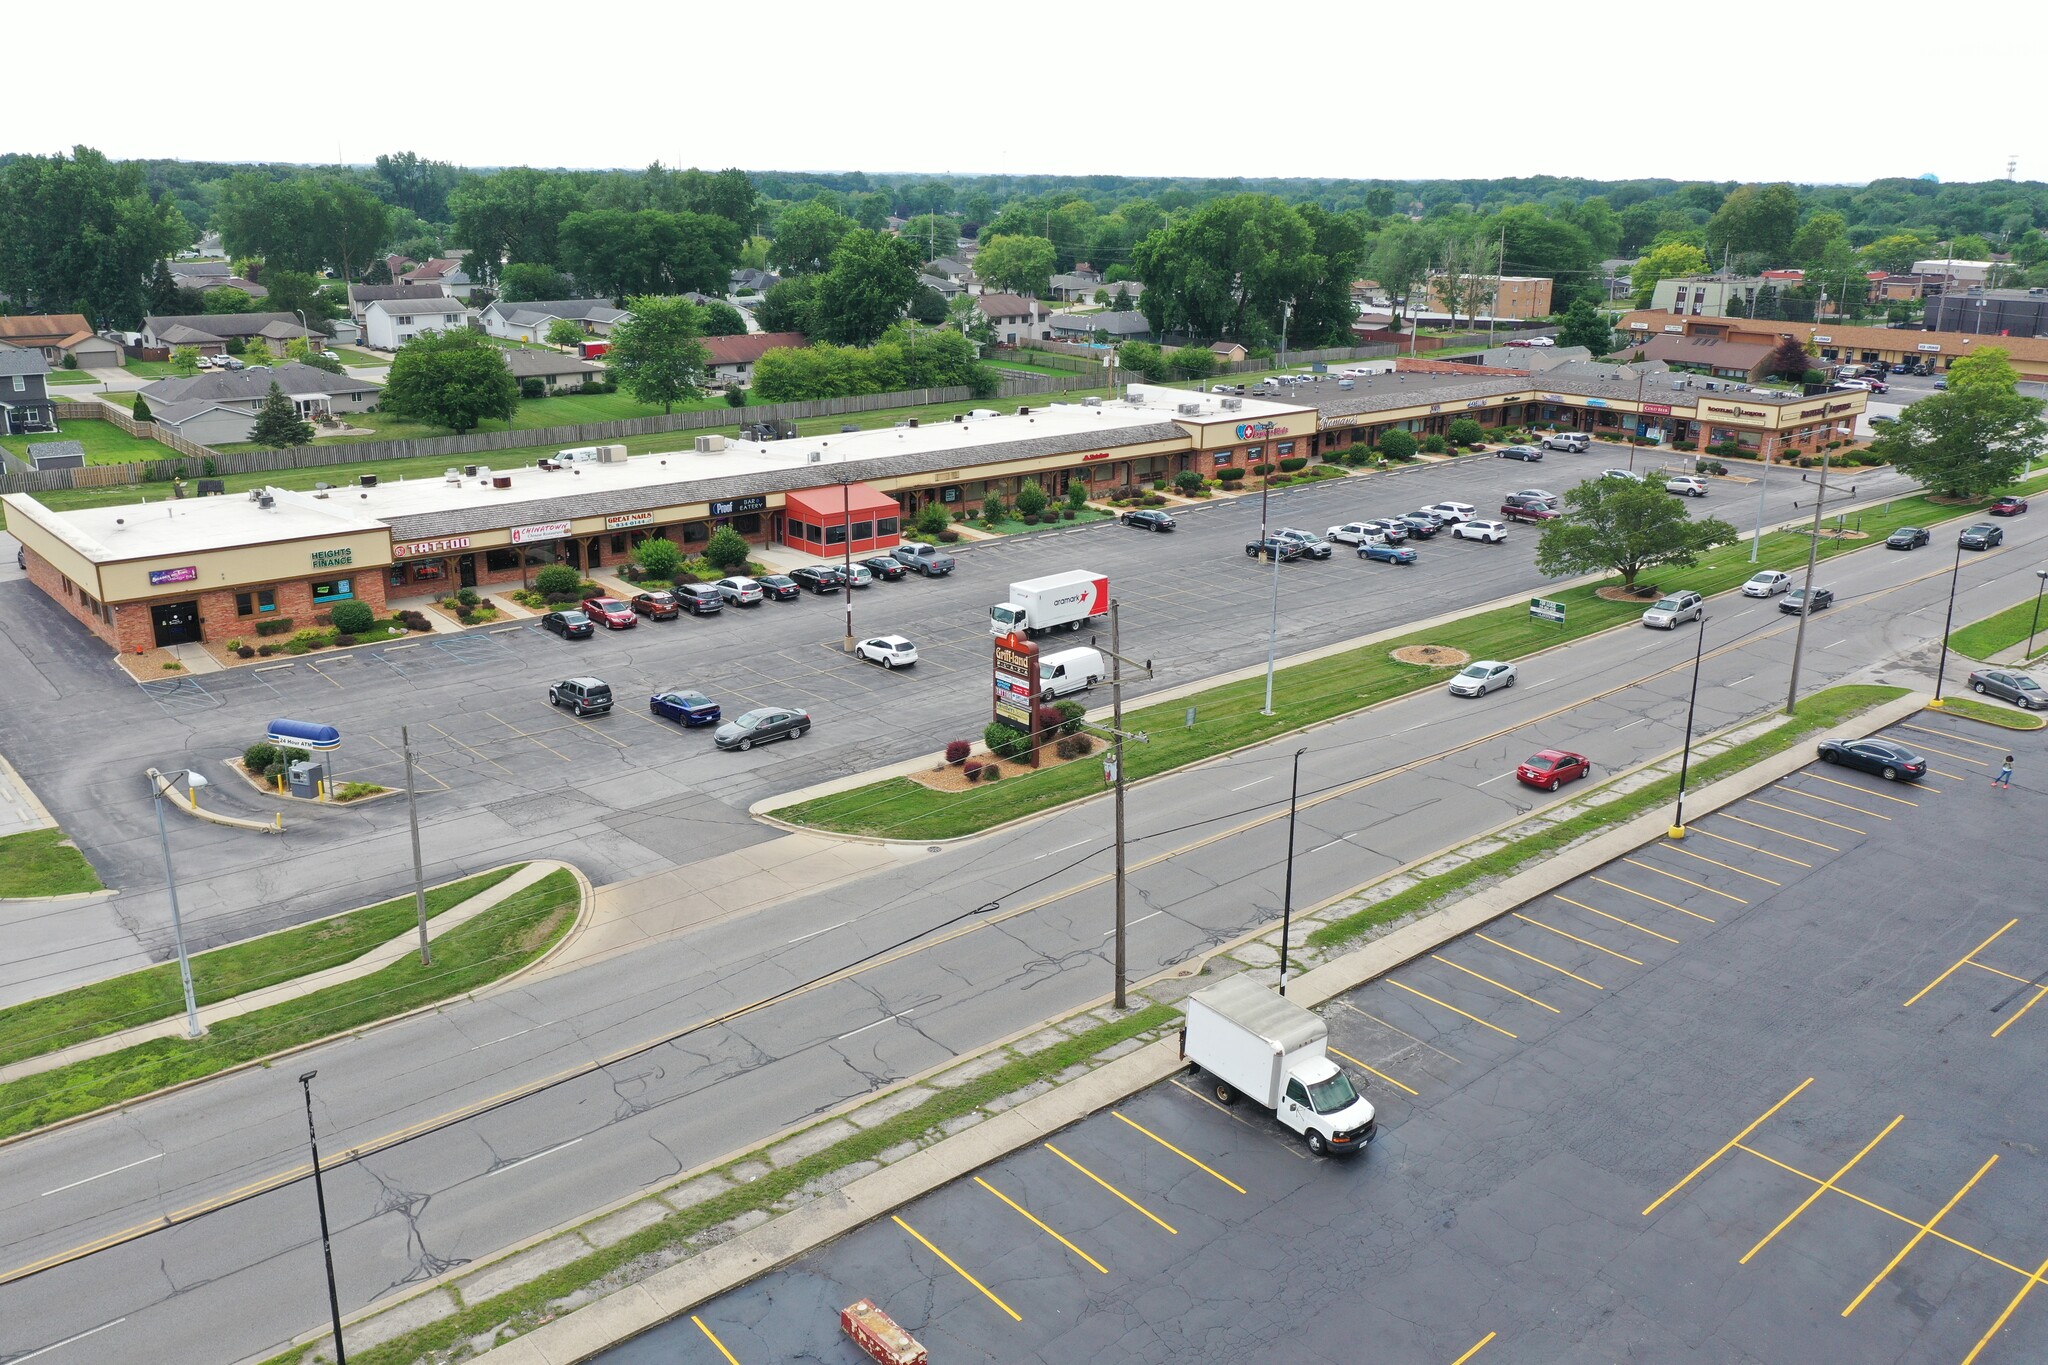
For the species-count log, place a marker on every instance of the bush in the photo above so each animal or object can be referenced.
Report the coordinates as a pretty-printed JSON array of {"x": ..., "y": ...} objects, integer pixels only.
[
  {"x": 1031, "y": 499},
  {"x": 1397, "y": 445},
  {"x": 735, "y": 397},
  {"x": 1464, "y": 432},
  {"x": 558, "y": 579},
  {"x": 1077, "y": 495},
  {"x": 1188, "y": 482},
  {"x": 1294, "y": 463},
  {"x": 933, "y": 519},
  {"x": 1005, "y": 742},
  {"x": 245, "y": 651},
  {"x": 973, "y": 768},
  {"x": 1048, "y": 719},
  {"x": 532, "y": 388},
  {"x": 265, "y": 651},
  {"x": 343, "y": 639},
  {"x": 276, "y": 627},
  {"x": 1229, "y": 474},
  {"x": 1712, "y": 467},
  {"x": 991, "y": 773},
  {"x": 309, "y": 639},
  {"x": 415, "y": 620},
  {"x": 957, "y": 751},
  {"x": 992, "y": 509},
  {"x": 1262, "y": 470},
  {"x": 356, "y": 618},
  {"x": 659, "y": 556},
  {"x": 1070, "y": 714},
  {"x": 259, "y": 756},
  {"x": 947, "y": 537},
  {"x": 1068, "y": 514},
  {"x": 727, "y": 550},
  {"x": 1435, "y": 445},
  {"x": 468, "y": 597}
]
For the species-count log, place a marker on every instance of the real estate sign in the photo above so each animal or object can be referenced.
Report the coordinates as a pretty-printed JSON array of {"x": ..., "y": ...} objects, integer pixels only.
[{"x": 1545, "y": 609}]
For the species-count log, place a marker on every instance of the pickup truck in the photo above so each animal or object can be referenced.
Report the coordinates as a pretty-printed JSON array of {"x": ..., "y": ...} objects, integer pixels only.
[
  {"x": 1529, "y": 510},
  {"x": 1263, "y": 1046},
  {"x": 1286, "y": 550},
  {"x": 928, "y": 560}
]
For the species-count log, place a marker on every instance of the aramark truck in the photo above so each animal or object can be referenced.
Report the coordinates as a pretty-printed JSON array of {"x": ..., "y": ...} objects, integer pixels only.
[
  {"x": 1253, "y": 1042},
  {"x": 1061, "y": 601}
]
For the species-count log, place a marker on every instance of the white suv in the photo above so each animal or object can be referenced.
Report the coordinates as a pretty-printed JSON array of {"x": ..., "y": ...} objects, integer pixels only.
[
  {"x": 1492, "y": 532},
  {"x": 1451, "y": 511},
  {"x": 1675, "y": 610},
  {"x": 1686, "y": 485},
  {"x": 1576, "y": 442}
]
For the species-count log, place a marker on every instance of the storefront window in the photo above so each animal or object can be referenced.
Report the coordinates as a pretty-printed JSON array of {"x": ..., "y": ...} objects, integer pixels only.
[
  {"x": 1252, "y": 454},
  {"x": 255, "y": 601},
  {"x": 748, "y": 524},
  {"x": 885, "y": 526},
  {"x": 696, "y": 531},
  {"x": 1286, "y": 447},
  {"x": 430, "y": 571},
  {"x": 835, "y": 535},
  {"x": 618, "y": 544},
  {"x": 333, "y": 590},
  {"x": 863, "y": 530},
  {"x": 501, "y": 561},
  {"x": 1223, "y": 457}
]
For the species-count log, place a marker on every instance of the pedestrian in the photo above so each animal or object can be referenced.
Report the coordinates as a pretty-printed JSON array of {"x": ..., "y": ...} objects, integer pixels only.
[{"x": 2004, "y": 778}]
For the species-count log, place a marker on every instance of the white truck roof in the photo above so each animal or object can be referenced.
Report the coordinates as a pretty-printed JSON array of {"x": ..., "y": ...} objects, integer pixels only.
[{"x": 1256, "y": 1009}]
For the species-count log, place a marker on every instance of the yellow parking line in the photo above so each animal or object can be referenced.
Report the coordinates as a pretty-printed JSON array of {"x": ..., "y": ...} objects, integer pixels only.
[
  {"x": 1953, "y": 739},
  {"x": 1700, "y": 886},
  {"x": 1491, "y": 982},
  {"x": 1015, "y": 1316},
  {"x": 1920, "y": 1232},
  {"x": 1876, "y": 1207},
  {"x": 523, "y": 735},
  {"x": 1864, "y": 791},
  {"x": 1816, "y": 796},
  {"x": 713, "y": 1339},
  {"x": 1540, "y": 962},
  {"x": 1725, "y": 867},
  {"x": 601, "y": 734},
  {"x": 1576, "y": 939},
  {"x": 1179, "y": 1084},
  {"x": 1112, "y": 1189},
  {"x": 1381, "y": 1074},
  {"x": 1475, "y": 1350},
  {"x": 1452, "y": 1008},
  {"x": 1804, "y": 815},
  {"x": 1758, "y": 848},
  {"x": 1998, "y": 971},
  {"x": 1617, "y": 919},
  {"x": 2010, "y": 1309},
  {"x": 1980, "y": 762},
  {"x": 1419, "y": 1042},
  {"x": 1821, "y": 1189},
  {"x": 1179, "y": 1153},
  {"x": 1957, "y": 963},
  {"x": 1728, "y": 1146},
  {"x": 2022, "y": 1010},
  {"x": 1041, "y": 1226}
]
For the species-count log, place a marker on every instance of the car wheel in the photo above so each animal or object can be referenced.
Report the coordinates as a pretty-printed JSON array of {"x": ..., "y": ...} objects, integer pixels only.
[
  {"x": 1223, "y": 1093},
  {"x": 1891, "y": 774},
  {"x": 1318, "y": 1144},
  {"x": 1976, "y": 687},
  {"x": 798, "y": 733},
  {"x": 1510, "y": 682},
  {"x": 1555, "y": 784},
  {"x": 554, "y": 700},
  {"x": 889, "y": 664},
  {"x": 1828, "y": 756},
  {"x": 745, "y": 745}
]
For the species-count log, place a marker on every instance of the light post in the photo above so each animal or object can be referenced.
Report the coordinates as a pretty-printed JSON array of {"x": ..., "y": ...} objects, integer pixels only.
[
  {"x": 1691, "y": 706},
  {"x": 1287, "y": 896},
  {"x": 1955, "y": 577},
  {"x": 1273, "y": 629},
  {"x": 846, "y": 530},
  {"x": 1806, "y": 593},
  {"x": 320, "y": 1197},
  {"x": 2041, "y": 574},
  {"x": 159, "y": 783},
  {"x": 1763, "y": 476}
]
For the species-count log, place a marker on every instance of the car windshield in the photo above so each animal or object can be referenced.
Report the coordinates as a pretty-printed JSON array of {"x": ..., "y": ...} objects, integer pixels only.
[
  {"x": 1668, "y": 604},
  {"x": 1476, "y": 671},
  {"x": 1328, "y": 1097},
  {"x": 2026, "y": 684},
  {"x": 752, "y": 720}
]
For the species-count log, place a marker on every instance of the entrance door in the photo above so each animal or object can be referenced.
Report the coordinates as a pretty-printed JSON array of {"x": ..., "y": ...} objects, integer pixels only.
[
  {"x": 596, "y": 552},
  {"x": 177, "y": 623},
  {"x": 465, "y": 570},
  {"x": 573, "y": 553}
]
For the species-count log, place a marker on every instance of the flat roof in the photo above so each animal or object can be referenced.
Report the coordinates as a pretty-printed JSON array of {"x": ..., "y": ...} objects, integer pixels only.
[{"x": 182, "y": 526}]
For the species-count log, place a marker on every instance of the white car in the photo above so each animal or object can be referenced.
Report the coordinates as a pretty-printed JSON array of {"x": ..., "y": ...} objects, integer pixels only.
[
  {"x": 1862, "y": 384},
  {"x": 1630, "y": 475},
  {"x": 1686, "y": 485},
  {"x": 890, "y": 651},
  {"x": 1351, "y": 532},
  {"x": 1492, "y": 532},
  {"x": 858, "y": 575},
  {"x": 1482, "y": 677},
  {"x": 1543, "y": 341},
  {"x": 1451, "y": 511},
  {"x": 1766, "y": 583},
  {"x": 741, "y": 592}
]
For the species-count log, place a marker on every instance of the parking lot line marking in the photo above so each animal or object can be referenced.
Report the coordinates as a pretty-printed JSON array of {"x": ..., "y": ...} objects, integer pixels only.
[
  {"x": 1754, "y": 848},
  {"x": 1821, "y": 1189},
  {"x": 93, "y": 1331},
  {"x": 1921, "y": 1231},
  {"x": 1980, "y": 762},
  {"x": 1816, "y": 796},
  {"x": 601, "y": 734},
  {"x": 1576, "y": 939},
  {"x": 1851, "y": 786},
  {"x": 1997, "y": 971},
  {"x": 1540, "y": 962},
  {"x": 1041, "y": 1226},
  {"x": 1726, "y": 867},
  {"x": 523, "y": 735},
  {"x": 1728, "y": 1147},
  {"x": 1641, "y": 929},
  {"x": 1959, "y": 962},
  {"x": 1219, "y": 1108},
  {"x": 1179, "y": 1153},
  {"x": 1375, "y": 1071},
  {"x": 2010, "y": 1309},
  {"x": 1953, "y": 739},
  {"x": 1452, "y": 1008},
  {"x": 2022, "y": 1010},
  {"x": 1014, "y": 1315},
  {"x": 1650, "y": 867},
  {"x": 1491, "y": 982},
  {"x": 1953, "y": 777},
  {"x": 731, "y": 1359},
  {"x": 1419, "y": 1042},
  {"x": 1803, "y": 815},
  {"x": 1112, "y": 1189},
  {"x": 471, "y": 752},
  {"x": 1475, "y": 1349}
]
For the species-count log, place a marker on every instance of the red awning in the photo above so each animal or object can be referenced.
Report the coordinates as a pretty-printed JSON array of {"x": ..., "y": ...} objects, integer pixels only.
[{"x": 836, "y": 502}]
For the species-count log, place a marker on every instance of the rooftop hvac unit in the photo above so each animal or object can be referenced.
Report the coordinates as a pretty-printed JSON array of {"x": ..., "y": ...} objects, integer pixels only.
[
  {"x": 815, "y": 456},
  {"x": 1233, "y": 404},
  {"x": 849, "y": 426},
  {"x": 1188, "y": 409},
  {"x": 483, "y": 473},
  {"x": 1024, "y": 411},
  {"x": 452, "y": 476},
  {"x": 959, "y": 417},
  {"x": 501, "y": 480},
  {"x": 367, "y": 480},
  {"x": 255, "y": 495},
  {"x": 265, "y": 501},
  {"x": 613, "y": 454},
  {"x": 1091, "y": 402},
  {"x": 710, "y": 445},
  {"x": 469, "y": 471}
]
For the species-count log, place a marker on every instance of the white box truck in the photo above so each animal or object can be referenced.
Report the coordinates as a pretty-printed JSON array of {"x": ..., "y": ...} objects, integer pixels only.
[
  {"x": 1061, "y": 601},
  {"x": 1251, "y": 1041}
]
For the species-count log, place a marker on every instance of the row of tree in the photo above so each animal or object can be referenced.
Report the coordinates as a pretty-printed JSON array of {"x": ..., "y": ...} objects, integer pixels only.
[{"x": 907, "y": 357}]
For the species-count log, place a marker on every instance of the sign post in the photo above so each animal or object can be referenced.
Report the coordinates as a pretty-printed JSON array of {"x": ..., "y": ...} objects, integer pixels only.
[{"x": 1545, "y": 609}]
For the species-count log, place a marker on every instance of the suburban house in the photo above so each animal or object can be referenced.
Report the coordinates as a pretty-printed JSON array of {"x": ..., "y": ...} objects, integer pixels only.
[
  {"x": 205, "y": 275},
  {"x": 954, "y": 270},
  {"x": 1089, "y": 328},
  {"x": 1015, "y": 318},
  {"x": 530, "y": 321},
  {"x": 389, "y": 323},
  {"x": 1229, "y": 352},
  {"x": 361, "y": 296},
  {"x": 221, "y": 407},
  {"x": 750, "y": 281},
  {"x": 25, "y": 392},
  {"x": 210, "y": 332},
  {"x": 57, "y": 335},
  {"x": 732, "y": 358},
  {"x": 1078, "y": 285},
  {"x": 556, "y": 372},
  {"x": 946, "y": 288},
  {"x": 443, "y": 272}
]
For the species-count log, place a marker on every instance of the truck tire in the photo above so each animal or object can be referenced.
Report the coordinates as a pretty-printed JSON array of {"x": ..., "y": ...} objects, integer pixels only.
[
  {"x": 1317, "y": 1143},
  {"x": 1222, "y": 1091}
]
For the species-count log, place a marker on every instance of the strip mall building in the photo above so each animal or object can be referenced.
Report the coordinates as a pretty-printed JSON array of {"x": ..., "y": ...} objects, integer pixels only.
[
  {"x": 214, "y": 568},
  {"x": 1851, "y": 343}
]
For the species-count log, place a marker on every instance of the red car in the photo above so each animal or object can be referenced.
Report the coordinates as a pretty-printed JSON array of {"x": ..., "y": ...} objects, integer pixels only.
[
  {"x": 2008, "y": 506},
  {"x": 1553, "y": 768},
  {"x": 610, "y": 613},
  {"x": 662, "y": 606}
]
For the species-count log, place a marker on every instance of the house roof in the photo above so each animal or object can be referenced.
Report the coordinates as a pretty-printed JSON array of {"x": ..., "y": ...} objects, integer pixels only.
[
  {"x": 42, "y": 329},
  {"x": 946, "y": 265},
  {"x": 16, "y": 360},
  {"x": 526, "y": 364},
  {"x": 1005, "y": 305},
  {"x": 1077, "y": 281},
  {"x": 177, "y": 414},
  {"x": 1125, "y": 324},
  {"x": 1727, "y": 355},
  {"x": 231, "y": 386},
  {"x": 436, "y": 268},
  {"x": 201, "y": 269},
  {"x": 55, "y": 450},
  {"x": 437, "y": 303},
  {"x": 368, "y": 293},
  {"x": 541, "y": 310},
  {"x": 745, "y": 350},
  {"x": 220, "y": 326},
  {"x": 1225, "y": 347},
  {"x": 1951, "y": 344}
]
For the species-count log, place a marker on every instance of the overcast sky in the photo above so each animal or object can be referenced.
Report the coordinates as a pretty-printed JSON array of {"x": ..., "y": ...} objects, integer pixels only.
[{"x": 1366, "y": 88}]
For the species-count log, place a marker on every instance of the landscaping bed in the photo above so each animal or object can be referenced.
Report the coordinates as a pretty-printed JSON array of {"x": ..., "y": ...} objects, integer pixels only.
[{"x": 2005, "y": 717}]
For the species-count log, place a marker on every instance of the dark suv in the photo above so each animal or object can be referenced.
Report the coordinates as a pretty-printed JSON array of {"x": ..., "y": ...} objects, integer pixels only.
[
  {"x": 699, "y": 599},
  {"x": 819, "y": 578},
  {"x": 583, "y": 696}
]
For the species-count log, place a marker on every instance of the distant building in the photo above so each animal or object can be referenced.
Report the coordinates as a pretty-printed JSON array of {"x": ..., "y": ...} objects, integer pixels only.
[
  {"x": 732, "y": 358},
  {"x": 1958, "y": 272},
  {"x": 1015, "y": 317},
  {"x": 210, "y": 332},
  {"x": 1514, "y": 296},
  {"x": 57, "y": 335},
  {"x": 1708, "y": 296},
  {"x": 25, "y": 392}
]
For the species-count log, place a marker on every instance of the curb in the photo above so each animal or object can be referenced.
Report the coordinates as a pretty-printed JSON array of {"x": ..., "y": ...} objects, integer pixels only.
[{"x": 163, "y": 789}]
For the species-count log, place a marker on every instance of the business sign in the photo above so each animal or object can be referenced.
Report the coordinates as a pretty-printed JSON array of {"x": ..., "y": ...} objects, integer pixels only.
[
  {"x": 1247, "y": 430},
  {"x": 188, "y": 574},
  {"x": 1545, "y": 609},
  {"x": 1555, "y": 398},
  {"x": 1657, "y": 409},
  {"x": 623, "y": 521},
  {"x": 333, "y": 559},
  {"x": 429, "y": 547},
  {"x": 1823, "y": 340},
  {"x": 543, "y": 530},
  {"x": 734, "y": 506},
  {"x": 1098, "y": 455},
  {"x": 1016, "y": 681},
  {"x": 1725, "y": 410},
  {"x": 1839, "y": 407},
  {"x": 1596, "y": 402}
]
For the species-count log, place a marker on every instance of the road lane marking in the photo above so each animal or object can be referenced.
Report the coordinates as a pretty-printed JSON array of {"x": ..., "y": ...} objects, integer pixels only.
[
  {"x": 1491, "y": 982},
  {"x": 505, "y": 1037},
  {"x": 1729, "y": 1146},
  {"x": 2022, "y": 1010},
  {"x": 1540, "y": 962},
  {"x": 1821, "y": 1189},
  {"x": 1575, "y": 938},
  {"x": 1015, "y": 1316},
  {"x": 1965, "y": 758},
  {"x": 536, "y": 1156},
  {"x": 1255, "y": 782},
  {"x": 117, "y": 1170},
  {"x": 815, "y": 932},
  {"x": 1815, "y": 796},
  {"x": 1112, "y": 1189},
  {"x": 1637, "y": 721},
  {"x": 713, "y": 1339},
  {"x": 1452, "y": 1008},
  {"x": 1618, "y": 919},
  {"x": 1953, "y": 739},
  {"x": 1041, "y": 1226},
  {"x": 886, "y": 1019},
  {"x": 21, "y": 1360},
  {"x": 1140, "y": 920},
  {"x": 1919, "y": 1232},
  {"x": 1404, "y": 1033},
  {"x": 1061, "y": 849},
  {"x": 1957, "y": 963},
  {"x": 1178, "y": 1152},
  {"x": 1375, "y": 1071}
]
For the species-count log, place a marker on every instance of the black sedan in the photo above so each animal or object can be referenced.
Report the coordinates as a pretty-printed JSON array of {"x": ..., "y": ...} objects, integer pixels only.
[
  {"x": 779, "y": 587},
  {"x": 1148, "y": 519},
  {"x": 1983, "y": 536},
  {"x": 686, "y": 705},
  {"x": 1907, "y": 538},
  {"x": 2007, "y": 685},
  {"x": 888, "y": 568},
  {"x": 758, "y": 727},
  {"x": 819, "y": 578},
  {"x": 1889, "y": 760},
  {"x": 570, "y": 625},
  {"x": 1421, "y": 525},
  {"x": 1793, "y": 603}
]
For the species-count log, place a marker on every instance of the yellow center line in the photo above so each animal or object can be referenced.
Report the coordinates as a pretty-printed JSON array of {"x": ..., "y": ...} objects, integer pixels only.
[
  {"x": 1112, "y": 1189},
  {"x": 1014, "y": 1315},
  {"x": 1861, "y": 791},
  {"x": 1491, "y": 982},
  {"x": 1041, "y": 1226},
  {"x": 712, "y": 1337},
  {"x": 1965, "y": 758},
  {"x": 1540, "y": 962},
  {"x": 1381, "y": 1074},
  {"x": 1959, "y": 962},
  {"x": 1803, "y": 815},
  {"x": 1576, "y": 939},
  {"x": 1179, "y": 1153},
  {"x": 1953, "y": 739},
  {"x": 1758, "y": 848},
  {"x": 1452, "y": 1008},
  {"x": 1475, "y": 1350},
  {"x": 1728, "y": 1146},
  {"x": 1725, "y": 867},
  {"x": 2010, "y": 1309},
  {"x": 1921, "y": 1231},
  {"x": 1821, "y": 1189},
  {"x": 1617, "y": 919},
  {"x": 2022, "y": 1010},
  {"x": 1815, "y": 796},
  {"x": 1701, "y": 886}
]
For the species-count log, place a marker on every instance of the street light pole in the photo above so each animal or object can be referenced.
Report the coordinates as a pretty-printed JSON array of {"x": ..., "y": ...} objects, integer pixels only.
[
  {"x": 157, "y": 784},
  {"x": 1806, "y": 593},
  {"x": 846, "y": 529},
  {"x": 1287, "y": 896},
  {"x": 1691, "y": 706},
  {"x": 1955, "y": 577},
  {"x": 320, "y": 1197},
  {"x": 1763, "y": 476},
  {"x": 2041, "y": 574},
  {"x": 412, "y": 813},
  {"x": 1273, "y": 630}
]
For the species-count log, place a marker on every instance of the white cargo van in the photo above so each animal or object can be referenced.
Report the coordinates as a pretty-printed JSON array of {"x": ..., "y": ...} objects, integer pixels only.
[{"x": 1070, "y": 670}]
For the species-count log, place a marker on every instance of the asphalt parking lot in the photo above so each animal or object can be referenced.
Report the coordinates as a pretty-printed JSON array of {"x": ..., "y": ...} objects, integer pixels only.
[{"x": 1765, "y": 1094}]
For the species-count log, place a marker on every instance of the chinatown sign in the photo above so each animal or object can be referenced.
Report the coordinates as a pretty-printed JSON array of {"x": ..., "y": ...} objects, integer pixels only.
[{"x": 542, "y": 530}]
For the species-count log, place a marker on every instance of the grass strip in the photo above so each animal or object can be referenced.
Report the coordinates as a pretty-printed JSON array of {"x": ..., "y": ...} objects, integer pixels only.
[
  {"x": 524, "y": 1307},
  {"x": 44, "y": 862},
  {"x": 2001, "y": 716},
  {"x": 2001, "y": 630},
  {"x": 1821, "y": 711},
  {"x": 498, "y": 941},
  {"x": 1229, "y": 717},
  {"x": 58, "y": 1021}
]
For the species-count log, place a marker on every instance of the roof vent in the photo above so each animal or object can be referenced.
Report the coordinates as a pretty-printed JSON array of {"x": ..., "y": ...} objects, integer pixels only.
[
  {"x": 453, "y": 476},
  {"x": 815, "y": 456},
  {"x": 708, "y": 445},
  {"x": 504, "y": 480},
  {"x": 1188, "y": 409},
  {"x": 1234, "y": 404},
  {"x": 265, "y": 501}
]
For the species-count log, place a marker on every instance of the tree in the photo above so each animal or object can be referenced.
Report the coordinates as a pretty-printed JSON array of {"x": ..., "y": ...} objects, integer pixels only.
[
  {"x": 83, "y": 234},
  {"x": 933, "y": 234},
  {"x": 655, "y": 355},
  {"x": 310, "y": 223},
  {"x": 727, "y": 549},
  {"x": 1624, "y": 527},
  {"x": 1531, "y": 242},
  {"x": 1031, "y": 498},
  {"x": 185, "y": 360},
  {"x": 1789, "y": 360},
  {"x": 1972, "y": 439},
  {"x": 564, "y": 332},
  {"x": 142, "y": 412},
  {"x": 1193, "y": 362},
  {"x": 1400, "y": 261},
  {"x": 933, "y": 519},
  {"x": 513, "y": 216},
  {"x": 1665, "y": 263},
  {"x": 1397, "y": 445},
  {"x": 417, "y": 185},
  {"x": 1895, "y": 252},
  {"x": 451, "y": 379},
  {"x": 872, "y": 278},
  {"x": 1237, "y": 267},
  {"x": 278, "y": 423},
  {"x": 228, "y": 299},
  {"x": 1809, "y": 250},
  {"x": 1022, "y": 265},
  {"x": 1121, "y": 303},
  {"x": 928, "y": 306},
  {"x": 524, "y": 282},
  {"x": 1755, "y": 220},
  {"x": 716, "y": 319},
  {"x": 1145, "y": 360},
  {"x": 616, "y": 252},
  {"x": 1584, "y": 325},
  {"x": 791, "y": 306},
  {"x": 295, "y": 291},
  {"x": 660, "y": 557},
  {"x": 1465, "y": 432},
  {"x": 806, "y": 235}
]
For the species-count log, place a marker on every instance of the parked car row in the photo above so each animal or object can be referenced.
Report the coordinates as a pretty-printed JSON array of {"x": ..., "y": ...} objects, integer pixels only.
[
  {"x": 690, "y": 708},
  {"x": 708, "y": 599}
]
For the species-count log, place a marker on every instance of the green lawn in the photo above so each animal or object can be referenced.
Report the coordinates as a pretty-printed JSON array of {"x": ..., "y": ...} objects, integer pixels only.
[
  {"x": 157, "y": 369},
  {"x": 2004, "y": 716},
  {"x": 42, "y": 862},
  {"x": 104, "y": 443},
  {"x": 71, "y": 377},
  {"x": 351, "y": 356},
  {"x": 1981, "y": 639},
  {"x": 532, "y": 414},
  {"x": 59, "y": 1021}
]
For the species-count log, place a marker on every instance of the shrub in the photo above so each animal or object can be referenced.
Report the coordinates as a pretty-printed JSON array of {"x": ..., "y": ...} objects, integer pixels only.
[
  {"x": 1712, "y": 467},
  {"x": 1048, "y": 719},
  {"x": 276, "y": 627},
  {"x": 355, "y": 618},
  {"x": 1070, "y": 714},
  {"x": 1004, "y": 742},
  {"x": 1294, "y": 463},
  {"x": 1031, "y": 499},
  {"x": 1398, "y": 445},
  {"x": 532, "y": 388},
  {"x": 735, "y": 397},
  {"x": 265, "y": 651},
  {"x": 947, "y": 537},
  {"x": 353, "y": 791},
  {"x": 1083, "y": 742},
  {"x": 973, "y": 768},
  {"x": 1262, "y": 470},
  {"x": 933, "y": 519},
  {"x": 557, "y": 579},
  {"x": 1464, "y": 432},
  {"x": 1158, "y": 485},
  {"x": 1435, "y": 445},
  {"x": 727, "y": 550},
  {"x": 245, "y": 651},
  {"x": 1229, "y": 474},
  {"x": 1028, "y": 518},
  {"x": 232, "y": 644},
  {"x": 259, "y": 756},
  {"x": 957, "y": 751},
  {"x": 343, "y": 639},
  {"x": 992, "y": 509},
  {"x": 1065, "y": 748},
  {"x": 1068, "y": 514},
  {"x": 1077, "y": 495},
  {"x": 309, "y": 639},
  {"x": 991, "y": 772},
  {"x": 1188, "y": 481},
  {"x": 468, "y": 597},
  {"x": 415, "y": 620}
]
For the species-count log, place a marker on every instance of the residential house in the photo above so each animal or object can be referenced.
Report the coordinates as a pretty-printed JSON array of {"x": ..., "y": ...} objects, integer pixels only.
[
  {"x": 530, "y": 321},
  {"x": 361, "y": 296},
  {"x": 25, "y": 391},
  {"x": 205, "y": 275},
  {"x": 732, "y": 358},
  {"x": 389, "y": 323},
  {"x": 210, "y": 332},
  {"x": 444, "y": 272},
  {"x": 750, "y": 282},
  {"x": 945, "y": 288},
  {"x": 1078, "y": 284},
  {"x": 556, "y": 371},
  {"x": 1015, "y": 318},
  {"x": 955, "y": 270},
  {"x": 57, "y": 335},
  {"x": 1617, "y": 278},
  {"x": 221, "y": 406},
  {"x": 1089, "y": 328},
  {"x": 1229, "y": 352}
]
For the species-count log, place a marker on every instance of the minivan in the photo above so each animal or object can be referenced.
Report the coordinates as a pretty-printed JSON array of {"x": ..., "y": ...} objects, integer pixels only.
[{"x": 1070, "y": 670}]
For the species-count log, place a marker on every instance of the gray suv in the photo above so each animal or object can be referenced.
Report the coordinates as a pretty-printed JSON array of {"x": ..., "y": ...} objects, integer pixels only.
[
  {"x": 700, "y": 599},
  {"x": 583, "y": 696}
]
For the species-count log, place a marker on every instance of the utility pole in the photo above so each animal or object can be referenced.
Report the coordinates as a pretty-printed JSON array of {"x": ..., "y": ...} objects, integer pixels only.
[
  {"x": 1116, "y": 761},
  {"x": 326, "y": 1242},
  {"x": 158, "y": 783},
  {"x": 846, "y": 529},
  {"x": 1287, "y": 896},
  {"x": 1806, "y": 594},
  {"x": 419, "y": 882},
  {"x": 1762, "y": 476},
  {"x": 1500, "y": 265}
]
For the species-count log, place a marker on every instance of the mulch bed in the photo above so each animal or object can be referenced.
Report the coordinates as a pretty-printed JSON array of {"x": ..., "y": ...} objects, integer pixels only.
[{"x": 1432, "y": 656}]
